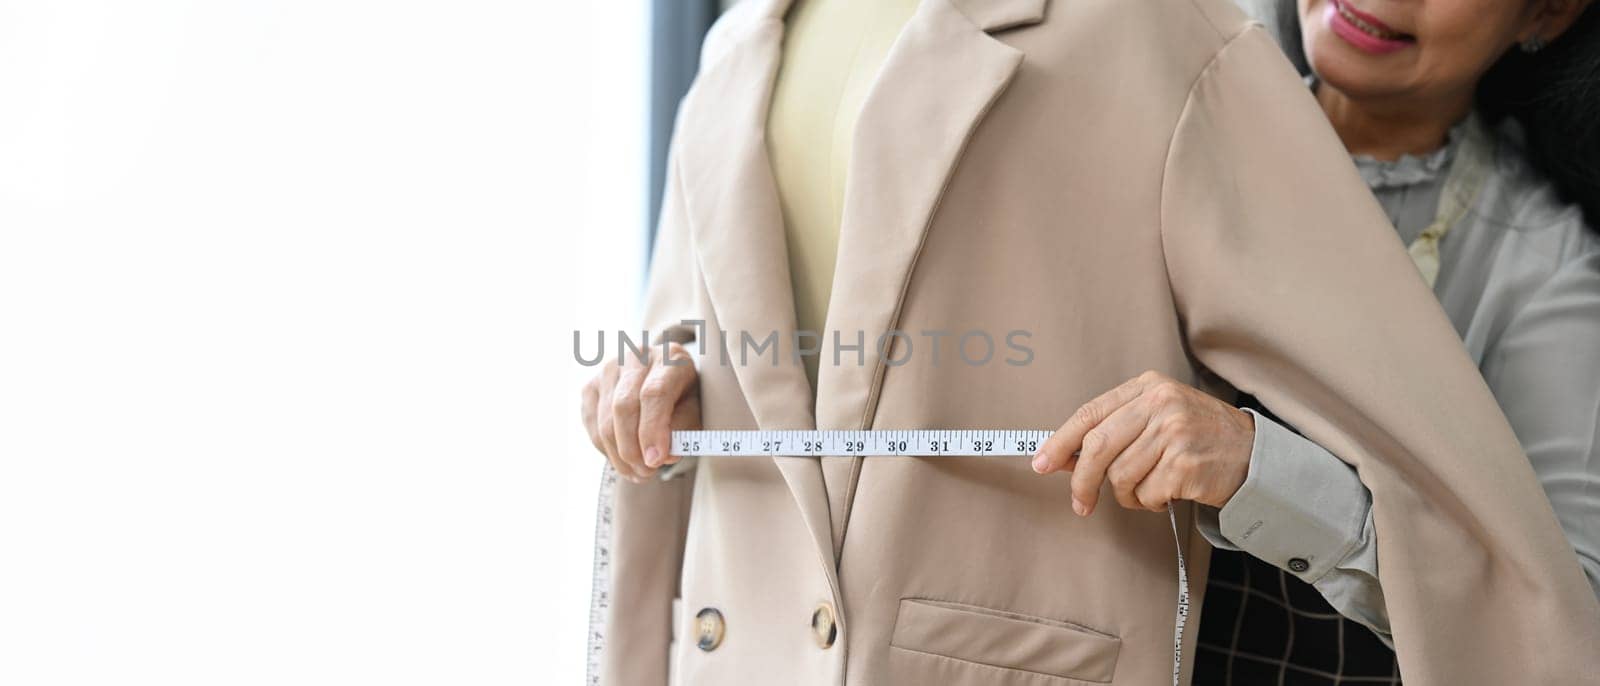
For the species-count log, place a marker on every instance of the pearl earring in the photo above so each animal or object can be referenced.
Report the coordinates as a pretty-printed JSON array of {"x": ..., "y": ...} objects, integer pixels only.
[{"x": 1533, "y": 45}]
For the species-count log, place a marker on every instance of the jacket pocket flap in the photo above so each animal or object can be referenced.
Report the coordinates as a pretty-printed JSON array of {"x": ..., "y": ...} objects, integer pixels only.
[{"x": 1005, "y": 639}]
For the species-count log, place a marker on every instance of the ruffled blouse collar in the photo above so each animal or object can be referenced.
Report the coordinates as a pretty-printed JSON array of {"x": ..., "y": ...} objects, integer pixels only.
[{"x": 1408, "y": 169}]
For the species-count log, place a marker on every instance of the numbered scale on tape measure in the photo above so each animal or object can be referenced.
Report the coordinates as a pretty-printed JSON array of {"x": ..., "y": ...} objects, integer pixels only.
[{"x": 876, "y": 442}]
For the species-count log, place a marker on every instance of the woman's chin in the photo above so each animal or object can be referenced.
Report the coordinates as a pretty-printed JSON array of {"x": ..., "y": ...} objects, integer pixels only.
[{"x": 1350, "y": 71}]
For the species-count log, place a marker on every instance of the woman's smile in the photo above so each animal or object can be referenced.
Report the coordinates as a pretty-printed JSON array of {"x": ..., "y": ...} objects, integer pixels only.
[{"x": 1363, "y": 30}]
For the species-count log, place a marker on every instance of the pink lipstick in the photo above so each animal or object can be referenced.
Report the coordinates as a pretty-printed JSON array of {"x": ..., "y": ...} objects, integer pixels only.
[{"x": 1363, "y": 30}]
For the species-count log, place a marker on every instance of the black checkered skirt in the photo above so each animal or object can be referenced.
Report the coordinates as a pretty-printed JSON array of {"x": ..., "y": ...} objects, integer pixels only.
[{"x": 1262, "y": 626}]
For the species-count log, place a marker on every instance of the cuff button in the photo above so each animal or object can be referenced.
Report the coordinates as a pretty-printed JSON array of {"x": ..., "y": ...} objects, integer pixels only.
[{"x": 1298, "y": 564}]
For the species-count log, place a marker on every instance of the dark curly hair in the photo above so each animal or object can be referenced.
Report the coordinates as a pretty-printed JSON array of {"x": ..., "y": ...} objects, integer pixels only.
[{"x": 1554, "y": 94}]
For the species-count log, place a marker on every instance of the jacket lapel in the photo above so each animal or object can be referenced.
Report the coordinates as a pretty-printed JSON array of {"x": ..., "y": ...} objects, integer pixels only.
[
  {"x": 738, "y": 233},
  {"x": 939, "y": 79}
]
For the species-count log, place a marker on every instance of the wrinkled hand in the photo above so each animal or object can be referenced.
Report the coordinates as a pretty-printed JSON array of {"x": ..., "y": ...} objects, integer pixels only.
[
  {"x": 631, "y": 409},
  {"x": 1156, "y": 440}
]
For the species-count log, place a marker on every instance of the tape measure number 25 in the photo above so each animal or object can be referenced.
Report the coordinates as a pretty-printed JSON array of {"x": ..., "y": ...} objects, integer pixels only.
[{"x": 919, "y": 443}]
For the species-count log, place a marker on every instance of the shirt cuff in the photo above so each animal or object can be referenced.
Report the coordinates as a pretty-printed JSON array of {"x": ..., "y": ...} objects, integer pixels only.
[{"x": 1300, "y": 509}]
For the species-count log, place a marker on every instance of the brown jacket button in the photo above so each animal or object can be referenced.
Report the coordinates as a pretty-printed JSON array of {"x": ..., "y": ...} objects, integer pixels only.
[
  {"x": 823, "y": 627},
  {"x": 708, "y": 628}
]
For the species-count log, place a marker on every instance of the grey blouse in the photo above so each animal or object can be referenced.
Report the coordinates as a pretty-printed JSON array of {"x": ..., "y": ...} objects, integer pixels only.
[{"x": 1520, "y": 279}]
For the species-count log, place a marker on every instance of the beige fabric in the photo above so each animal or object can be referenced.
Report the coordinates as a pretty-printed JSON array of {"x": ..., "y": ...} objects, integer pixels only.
[
  {"x": 1002, "y": 639},
  {"x": 1143, "y": 185}
]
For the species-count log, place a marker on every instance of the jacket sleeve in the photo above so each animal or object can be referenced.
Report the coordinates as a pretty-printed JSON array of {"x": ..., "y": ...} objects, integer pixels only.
[
  {"x": 1545, "y": 369},
  {"x": 649, "y": 521},
  {"x": 1290, "y": 284}
]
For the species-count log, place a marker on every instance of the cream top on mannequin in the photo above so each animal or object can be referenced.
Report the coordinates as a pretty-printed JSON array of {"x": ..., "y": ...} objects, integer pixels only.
[{"x": 832, "y": 52}]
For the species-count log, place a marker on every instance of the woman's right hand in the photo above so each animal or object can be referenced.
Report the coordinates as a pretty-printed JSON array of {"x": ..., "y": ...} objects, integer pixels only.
[{"x": 631, "y": 409}]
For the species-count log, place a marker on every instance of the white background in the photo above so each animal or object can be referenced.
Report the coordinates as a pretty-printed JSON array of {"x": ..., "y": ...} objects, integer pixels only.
[{"x": 287, "y": 290}]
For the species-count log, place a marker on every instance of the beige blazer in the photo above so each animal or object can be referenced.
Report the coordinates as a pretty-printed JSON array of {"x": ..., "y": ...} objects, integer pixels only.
[{"x": 1142, "y": 184}]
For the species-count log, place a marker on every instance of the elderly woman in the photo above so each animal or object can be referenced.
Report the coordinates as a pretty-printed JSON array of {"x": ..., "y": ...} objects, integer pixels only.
[{"x": 1474, "y": 122}]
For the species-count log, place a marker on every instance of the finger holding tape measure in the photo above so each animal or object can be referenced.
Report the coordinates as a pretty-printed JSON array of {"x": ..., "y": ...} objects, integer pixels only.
[
  {"x": 631, "y": 406},
  {"x": 667, "y": 400},
  {"x": 598, "y": 419},
  {"x": 1156, "y": 440},
  {"x": 1061, "y": 451},
  {"x": 625, "y": 413}
]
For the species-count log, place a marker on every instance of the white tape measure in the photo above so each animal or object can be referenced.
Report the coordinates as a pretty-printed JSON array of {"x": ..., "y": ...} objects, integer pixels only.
[
  {"x": 876, "y": 443},
  {"x": 919, "y": 443}
]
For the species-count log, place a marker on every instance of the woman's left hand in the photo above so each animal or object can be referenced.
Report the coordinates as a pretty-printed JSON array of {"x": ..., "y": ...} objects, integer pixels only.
[{"x": 1156, "y": 440}]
